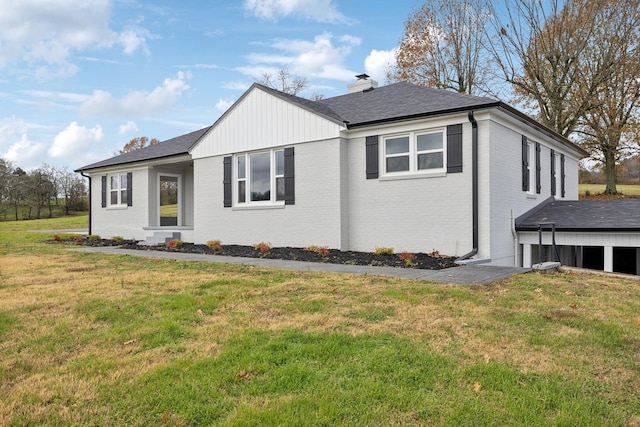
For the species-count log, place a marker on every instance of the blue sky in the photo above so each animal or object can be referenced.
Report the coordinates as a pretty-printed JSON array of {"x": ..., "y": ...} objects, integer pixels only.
[{"x": 80, "y": 78}]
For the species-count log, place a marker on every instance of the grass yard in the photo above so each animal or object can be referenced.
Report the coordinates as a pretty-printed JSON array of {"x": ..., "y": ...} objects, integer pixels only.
[
  {"x": 593, "y": 189},
  {"x": 97, "y": 340}
]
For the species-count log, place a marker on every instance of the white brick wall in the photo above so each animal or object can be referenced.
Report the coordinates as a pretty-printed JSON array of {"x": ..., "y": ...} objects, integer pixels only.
[
  {"x": 506, "y": 182},
  {"x": 127, "y": 221},
  {"x": 415, "y": 215},
  {"x": 314, "y": 219}
]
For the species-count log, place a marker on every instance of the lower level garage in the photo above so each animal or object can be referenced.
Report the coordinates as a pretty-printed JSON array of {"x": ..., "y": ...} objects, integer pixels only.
[{"x": 599, "y": 235}]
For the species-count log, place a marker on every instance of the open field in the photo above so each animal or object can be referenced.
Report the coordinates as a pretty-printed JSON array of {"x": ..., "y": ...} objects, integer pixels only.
[
  {"x": 91, "y": 339},
  {"x": 627, "y": 190}
]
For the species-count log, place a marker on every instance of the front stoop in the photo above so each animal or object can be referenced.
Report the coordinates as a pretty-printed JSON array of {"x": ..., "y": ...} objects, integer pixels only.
[{"x": 160, "y": 238}]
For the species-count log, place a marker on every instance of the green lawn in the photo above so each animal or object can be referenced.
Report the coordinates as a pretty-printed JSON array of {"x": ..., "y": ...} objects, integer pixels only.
[
  {"x": 628, "y": 190},
  {"x": 91, "y": 339}
]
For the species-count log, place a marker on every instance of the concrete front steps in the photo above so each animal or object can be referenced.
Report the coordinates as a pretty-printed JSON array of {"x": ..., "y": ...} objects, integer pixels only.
[{"x": 160, "y": 238}]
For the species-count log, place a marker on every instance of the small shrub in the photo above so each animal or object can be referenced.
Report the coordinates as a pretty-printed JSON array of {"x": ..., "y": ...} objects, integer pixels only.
[
  {"x": 118, "y": 239},
  {"x": 323, "y": 251},
  {"x": 94, "y": 237},
  {"x": 383, "y": 251},
  {"x": 214, "y": 245},
  {"x": 263, "y": 247},
  {"x": 435, "y": 254},
  {"x": 56, "y": 238},
  {"x": 587, "y": 193},
  {"x": 407, "y": 257},
  {"x": 174, "y": 244},
  {"x": 79, "y": 239}
]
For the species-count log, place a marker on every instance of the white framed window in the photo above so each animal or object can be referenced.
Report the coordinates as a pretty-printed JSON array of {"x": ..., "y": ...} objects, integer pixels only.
[
  {"x": 259, "y": 177},
  {"x": 118, "y": 194},
  {"x": 414, "y": 152}
]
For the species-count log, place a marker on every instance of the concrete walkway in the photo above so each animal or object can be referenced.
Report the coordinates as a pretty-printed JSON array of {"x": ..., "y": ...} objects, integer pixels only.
[{"x": 469, "y": 274}]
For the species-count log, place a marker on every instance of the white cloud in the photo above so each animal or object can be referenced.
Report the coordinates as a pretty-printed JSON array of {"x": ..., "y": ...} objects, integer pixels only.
[
  {"x": 130, "y": 126},
  {"x": 11, "y": 128},
  {"x": 25, "y": 153},
  {"x": 133, "y": 40},
  {"x": 48, "y": 31},
  {"x": 324, "y": 11},
  {"x": 75, "y": 139},
  {"x": 224, "y": 104},
  {"x": 136, "y": 103},
  {"x": 307, "y": 58},
  {"x": 378, "y": 62}
]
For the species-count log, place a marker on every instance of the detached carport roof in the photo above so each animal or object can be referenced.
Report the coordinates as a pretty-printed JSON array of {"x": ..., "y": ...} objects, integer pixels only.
[{"x": 584, "y": 215}]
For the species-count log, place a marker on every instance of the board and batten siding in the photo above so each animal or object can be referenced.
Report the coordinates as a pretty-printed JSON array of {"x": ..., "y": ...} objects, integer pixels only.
[
  {"x": 261, "y": 120},
  {"x": 315, "y": 218},
  {"x": 585, "y": 238}
]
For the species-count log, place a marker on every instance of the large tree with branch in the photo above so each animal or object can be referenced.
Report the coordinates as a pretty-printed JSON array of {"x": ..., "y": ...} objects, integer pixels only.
[
  {"x": 611, "y": 128},
  {"x": 574, "y": 64}
]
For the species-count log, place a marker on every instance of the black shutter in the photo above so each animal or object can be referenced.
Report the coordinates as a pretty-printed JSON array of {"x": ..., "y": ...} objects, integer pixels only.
[
  {"x": 227, "y": 181},
  {"x": 454, "y": 148},
  {"x": 289, "y": 177},
  {"x": 525, "y": 164},
  {"x": 129, "y": 189},
  {"x": 553, "y": 173},
  {"x": 538, "y": 168},
  {"x": 562, "y": 175},
  {"x": 372, "y": 156},
  {"x": 103, "y": 179}
]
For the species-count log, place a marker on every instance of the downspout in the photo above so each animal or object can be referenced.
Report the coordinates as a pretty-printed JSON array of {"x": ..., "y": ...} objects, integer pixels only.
[
  {"x": 88, "y": 177},
  {"x": 474, "y": 185}
]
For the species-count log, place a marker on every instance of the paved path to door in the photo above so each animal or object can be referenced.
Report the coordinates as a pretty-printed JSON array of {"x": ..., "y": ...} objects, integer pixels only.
[{"x": 469, "y": 274}]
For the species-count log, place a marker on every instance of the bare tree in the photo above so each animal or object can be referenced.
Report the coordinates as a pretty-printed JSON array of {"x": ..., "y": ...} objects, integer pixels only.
[
  {"x": 284, "y": 81},
  {"x": 574, "y": 64},
  {"x": 137, "y": 143},
  {"x": 443, "y": 46},
  {"x": 540, "y": 48},
  {"x": 610, "y": 127}
]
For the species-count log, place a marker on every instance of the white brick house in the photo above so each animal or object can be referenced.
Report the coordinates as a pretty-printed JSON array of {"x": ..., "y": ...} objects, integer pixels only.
[{"x": 401, "y": 166}]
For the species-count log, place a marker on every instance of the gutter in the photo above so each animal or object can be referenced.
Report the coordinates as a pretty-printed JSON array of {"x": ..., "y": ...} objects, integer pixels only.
[
  {"x": 88, "y": 177},
  {"x": 474, "y": 187}
]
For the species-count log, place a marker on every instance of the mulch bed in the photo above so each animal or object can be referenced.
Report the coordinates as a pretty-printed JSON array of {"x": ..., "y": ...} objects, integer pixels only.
[{"x": 432, "y": 261}]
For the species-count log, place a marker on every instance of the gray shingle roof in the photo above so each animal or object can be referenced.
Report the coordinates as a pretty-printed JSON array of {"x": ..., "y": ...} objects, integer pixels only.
[
  {"x": 398, "y": 101},
  {"x": 584, "y": 215},
  {"x": 171, "y": 147}
]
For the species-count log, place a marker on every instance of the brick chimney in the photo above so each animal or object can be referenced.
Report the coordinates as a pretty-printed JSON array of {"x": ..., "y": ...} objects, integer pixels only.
[{"x": 363, "y": 83}]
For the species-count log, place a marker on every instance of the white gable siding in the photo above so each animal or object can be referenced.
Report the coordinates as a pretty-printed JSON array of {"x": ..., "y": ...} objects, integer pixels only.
[
  {"x": 314, "y": 219},
  {"x": 261, "y": 120},
  {"x": 415, "y": 215}
]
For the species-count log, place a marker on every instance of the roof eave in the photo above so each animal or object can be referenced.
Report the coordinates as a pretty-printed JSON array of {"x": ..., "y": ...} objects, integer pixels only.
[
  {"x": 582, "y": 229},
  {"x": 181, "y": 157},
  {"x": 422, "y": 115}
]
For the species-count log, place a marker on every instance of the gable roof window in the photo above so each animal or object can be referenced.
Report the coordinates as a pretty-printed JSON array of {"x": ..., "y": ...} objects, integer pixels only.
[{"x": 414, "y": 152}]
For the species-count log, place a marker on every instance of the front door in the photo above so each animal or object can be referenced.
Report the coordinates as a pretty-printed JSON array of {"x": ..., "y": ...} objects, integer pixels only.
[{"x": 169, "y": 198}]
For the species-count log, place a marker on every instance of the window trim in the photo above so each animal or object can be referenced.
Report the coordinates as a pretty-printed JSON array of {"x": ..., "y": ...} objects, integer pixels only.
[
  {"x": 273, "y": 177},
  {"x": 118, "y": 190},
  {"x": 413, "y": 154}
]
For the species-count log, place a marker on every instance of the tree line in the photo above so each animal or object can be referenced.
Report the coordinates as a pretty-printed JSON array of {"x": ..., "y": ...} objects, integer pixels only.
[
  {"x": 40, "y": 192},
  {"x": 572, "y": 64}
]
